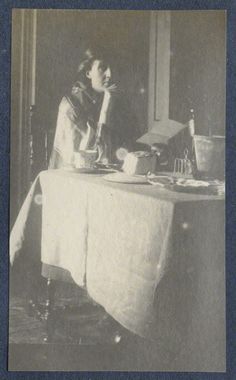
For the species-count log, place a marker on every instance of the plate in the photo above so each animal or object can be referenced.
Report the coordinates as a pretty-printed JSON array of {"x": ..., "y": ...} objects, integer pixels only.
[
  {"x": 81, "y": 170},
  {"x": 114, "y": 167},
  {"x": 199, "y": 187},
  {"x": 186, "y": 185},
  {"x": 160, "y": 180},
  {"x": 192, "y": 183},
  {"x": 125, "y": 178}
]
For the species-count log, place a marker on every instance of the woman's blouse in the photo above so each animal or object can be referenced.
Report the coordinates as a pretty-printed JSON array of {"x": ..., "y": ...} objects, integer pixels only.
[{"x": 77, "y": 126}]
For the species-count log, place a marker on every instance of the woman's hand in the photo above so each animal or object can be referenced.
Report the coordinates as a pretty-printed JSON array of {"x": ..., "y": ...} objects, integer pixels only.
[
  {"x": 111, "y": 88},
  {"x": 109, "y": 91}
]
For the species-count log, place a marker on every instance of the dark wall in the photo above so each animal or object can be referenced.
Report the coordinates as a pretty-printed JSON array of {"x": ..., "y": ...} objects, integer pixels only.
[
  {"x": 63, "y": 36},
  {"x": 197, "y": 78},
  {"x": 198, "y": 66}
]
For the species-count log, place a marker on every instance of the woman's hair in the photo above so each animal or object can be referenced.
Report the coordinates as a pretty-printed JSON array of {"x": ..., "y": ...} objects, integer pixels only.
[{"x": 90, "y": 56}]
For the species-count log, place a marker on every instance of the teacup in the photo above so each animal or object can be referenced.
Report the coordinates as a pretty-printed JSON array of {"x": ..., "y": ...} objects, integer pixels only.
[{"x": 84, "y": 159}]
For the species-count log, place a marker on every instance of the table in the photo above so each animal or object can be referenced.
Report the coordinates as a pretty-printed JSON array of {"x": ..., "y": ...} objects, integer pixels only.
[{"x": 153, "y": 258}]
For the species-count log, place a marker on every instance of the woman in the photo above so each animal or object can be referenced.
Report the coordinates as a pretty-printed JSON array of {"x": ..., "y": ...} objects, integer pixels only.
[{"x": 91, "y": 116}]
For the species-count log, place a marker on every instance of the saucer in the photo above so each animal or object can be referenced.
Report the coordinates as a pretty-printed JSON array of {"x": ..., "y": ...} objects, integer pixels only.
[{"x": 121, "y": 177}]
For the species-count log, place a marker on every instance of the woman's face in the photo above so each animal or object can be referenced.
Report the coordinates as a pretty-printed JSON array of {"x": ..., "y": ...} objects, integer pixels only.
[{"x": 100, "y": 75}]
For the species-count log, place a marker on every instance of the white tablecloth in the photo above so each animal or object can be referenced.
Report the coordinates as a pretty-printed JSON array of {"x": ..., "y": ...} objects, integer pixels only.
[{"x": 144, "y": 254}]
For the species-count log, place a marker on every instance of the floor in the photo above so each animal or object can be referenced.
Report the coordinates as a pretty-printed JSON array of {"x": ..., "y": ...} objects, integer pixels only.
[{"x": 85, "y": 339}]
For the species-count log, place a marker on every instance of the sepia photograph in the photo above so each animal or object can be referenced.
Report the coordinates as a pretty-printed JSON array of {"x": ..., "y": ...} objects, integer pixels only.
[{"x": 117, "y": 190}]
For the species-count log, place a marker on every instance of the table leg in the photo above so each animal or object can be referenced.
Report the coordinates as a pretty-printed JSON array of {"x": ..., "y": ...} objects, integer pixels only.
[
  {"x": 48, "y": 315},
  {"x": 32, "y": 286}
]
